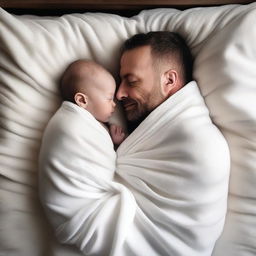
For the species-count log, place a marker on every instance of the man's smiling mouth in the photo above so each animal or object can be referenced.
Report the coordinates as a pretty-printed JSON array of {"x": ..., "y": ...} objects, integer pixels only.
[{"x": 128, "y": 106}]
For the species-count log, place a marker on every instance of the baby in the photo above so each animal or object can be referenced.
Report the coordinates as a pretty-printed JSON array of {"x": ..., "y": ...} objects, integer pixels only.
[
  {"x": 91, "y": 87},
  {"x": 77, "y": 160}
]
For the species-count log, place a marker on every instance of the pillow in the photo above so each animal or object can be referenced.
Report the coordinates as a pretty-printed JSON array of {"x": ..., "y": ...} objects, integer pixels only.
[{"x": 36, "y": 50}]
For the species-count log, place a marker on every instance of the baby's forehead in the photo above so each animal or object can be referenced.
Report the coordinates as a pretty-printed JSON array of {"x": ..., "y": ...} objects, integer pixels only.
[
  {"x": 98, "y": 79},
  {"x": 86, "y": 68},
  {"x": 96, "y": 71}
]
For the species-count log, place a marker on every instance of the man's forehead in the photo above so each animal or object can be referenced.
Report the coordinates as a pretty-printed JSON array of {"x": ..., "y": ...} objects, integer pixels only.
[{"x": 134, "y": 60}]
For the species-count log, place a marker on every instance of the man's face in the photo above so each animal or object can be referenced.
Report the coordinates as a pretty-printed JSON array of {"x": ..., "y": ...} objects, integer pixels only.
[{"x": 139, "y": 90}]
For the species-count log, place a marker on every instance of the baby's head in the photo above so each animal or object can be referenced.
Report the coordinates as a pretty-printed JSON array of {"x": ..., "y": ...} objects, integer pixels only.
[{"x": 91, "y": 87}]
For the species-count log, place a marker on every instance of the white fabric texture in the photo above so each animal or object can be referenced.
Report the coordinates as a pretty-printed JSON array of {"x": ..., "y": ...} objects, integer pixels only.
[
  {"x": 172, "y": 149},
  {"x": 34, "y": 51},
  {"x": 77, "y": 167}
]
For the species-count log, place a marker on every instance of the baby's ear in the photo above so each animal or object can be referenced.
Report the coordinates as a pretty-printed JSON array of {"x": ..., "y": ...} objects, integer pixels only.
[{"x": 81, "y": 100}]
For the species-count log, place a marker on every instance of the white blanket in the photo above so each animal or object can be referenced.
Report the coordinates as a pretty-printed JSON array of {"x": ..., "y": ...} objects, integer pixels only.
[
  {"x": 167, "y": 197},
  {"x": 77, "y": 165}
]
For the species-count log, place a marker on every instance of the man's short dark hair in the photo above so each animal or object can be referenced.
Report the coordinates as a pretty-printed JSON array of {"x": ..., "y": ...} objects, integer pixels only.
[{"x": 164, "y": 44}]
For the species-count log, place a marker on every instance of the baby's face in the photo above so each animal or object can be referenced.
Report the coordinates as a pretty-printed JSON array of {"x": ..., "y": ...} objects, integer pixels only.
[{"x": 101, "y": 98}]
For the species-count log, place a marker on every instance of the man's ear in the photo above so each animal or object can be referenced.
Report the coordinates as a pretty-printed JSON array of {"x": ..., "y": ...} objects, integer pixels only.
[
  {"x": 170, "y": 83},
  {"x": 81, "y": 100}
]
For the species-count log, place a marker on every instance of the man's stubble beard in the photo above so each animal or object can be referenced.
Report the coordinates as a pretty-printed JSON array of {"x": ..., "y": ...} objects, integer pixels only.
[{"x": 152, "y": 101}]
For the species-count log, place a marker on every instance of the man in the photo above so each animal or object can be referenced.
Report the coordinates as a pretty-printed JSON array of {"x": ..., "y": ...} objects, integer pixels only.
[
  {"x": 176, "y": 162},
  {"x": 154, "y": 66}
]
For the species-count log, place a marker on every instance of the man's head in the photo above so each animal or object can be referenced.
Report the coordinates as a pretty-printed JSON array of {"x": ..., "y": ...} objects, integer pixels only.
[
  {"x": 91, "y": 87},
  {"x": 153, "y": 66}
]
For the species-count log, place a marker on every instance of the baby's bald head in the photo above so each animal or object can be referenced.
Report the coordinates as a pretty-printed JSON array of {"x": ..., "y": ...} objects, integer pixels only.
[{"x": 79, "y": 76}]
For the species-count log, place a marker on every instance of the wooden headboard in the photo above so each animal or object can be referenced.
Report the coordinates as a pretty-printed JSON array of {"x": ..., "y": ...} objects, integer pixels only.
[{"x": 117, "y": 6}]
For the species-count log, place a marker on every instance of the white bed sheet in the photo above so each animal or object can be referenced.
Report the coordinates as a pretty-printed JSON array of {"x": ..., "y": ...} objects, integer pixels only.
[{"x": 34, "y": 51}]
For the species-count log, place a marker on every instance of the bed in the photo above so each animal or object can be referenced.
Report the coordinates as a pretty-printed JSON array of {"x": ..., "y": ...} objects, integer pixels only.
[{"x": 38, "y": 39}]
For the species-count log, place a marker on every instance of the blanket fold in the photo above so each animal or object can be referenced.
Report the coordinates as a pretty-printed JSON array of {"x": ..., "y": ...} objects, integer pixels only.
[
  {"x": 165, "y": 193},
  {"x": 177, "y": 166}
]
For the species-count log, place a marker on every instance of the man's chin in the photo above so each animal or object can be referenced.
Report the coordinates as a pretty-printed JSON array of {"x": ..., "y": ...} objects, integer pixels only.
[{"x": 132, "y": 117}]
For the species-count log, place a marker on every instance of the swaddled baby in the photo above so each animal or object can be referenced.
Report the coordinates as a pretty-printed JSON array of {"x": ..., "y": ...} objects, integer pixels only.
[{"x": 78, "y": 163}]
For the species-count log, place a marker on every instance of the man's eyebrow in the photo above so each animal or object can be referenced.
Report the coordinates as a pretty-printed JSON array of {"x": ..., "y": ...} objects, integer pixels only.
[{"x": 127, "y": 75}]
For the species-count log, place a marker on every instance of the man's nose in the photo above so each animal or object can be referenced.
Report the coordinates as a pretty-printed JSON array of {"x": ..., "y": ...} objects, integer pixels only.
[{"x": 122, "y": 91}]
